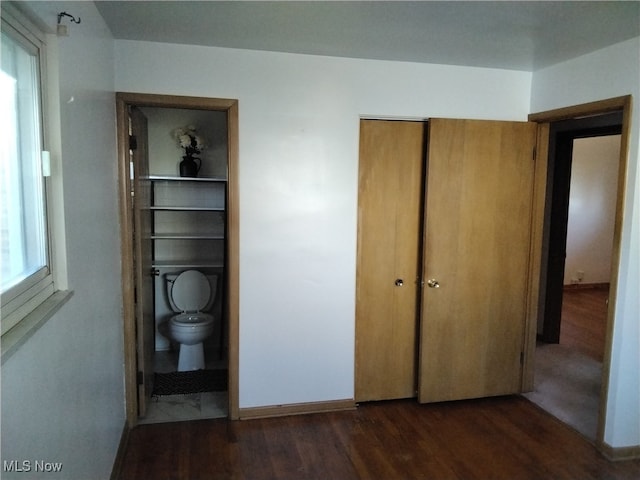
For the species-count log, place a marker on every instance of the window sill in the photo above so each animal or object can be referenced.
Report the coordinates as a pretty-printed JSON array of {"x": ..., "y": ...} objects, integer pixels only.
[{"x": 18, "y": 335}]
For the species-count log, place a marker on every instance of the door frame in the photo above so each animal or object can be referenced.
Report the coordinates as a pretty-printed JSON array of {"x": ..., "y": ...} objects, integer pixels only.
[
  {"x": 537, "y": 277},
  {"x": 230, "y": 106}
]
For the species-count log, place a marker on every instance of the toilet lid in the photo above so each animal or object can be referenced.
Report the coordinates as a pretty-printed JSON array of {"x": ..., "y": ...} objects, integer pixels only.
[{"x": 191, "y": 291}]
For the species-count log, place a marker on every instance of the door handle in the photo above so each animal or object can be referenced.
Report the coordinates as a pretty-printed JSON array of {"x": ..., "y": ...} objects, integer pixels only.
[
  {"x": 399, "y": 282},
  {"x": 433, "y": 283}
]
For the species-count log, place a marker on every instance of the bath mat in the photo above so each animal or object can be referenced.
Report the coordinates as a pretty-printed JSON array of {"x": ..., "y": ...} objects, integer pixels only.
[{"x": 196, "y": 381}]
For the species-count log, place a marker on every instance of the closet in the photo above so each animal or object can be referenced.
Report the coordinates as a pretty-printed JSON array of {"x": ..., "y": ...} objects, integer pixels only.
[{"x": 444, "y": 234}]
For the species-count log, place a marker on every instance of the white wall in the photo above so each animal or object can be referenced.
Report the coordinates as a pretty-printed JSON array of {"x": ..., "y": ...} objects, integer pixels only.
[
  {"x": 608, "y": 73},
  {"x": 298, "y": 188},
  {"x": 63, "y": 392},
  {"x": 592, "y": 209}
]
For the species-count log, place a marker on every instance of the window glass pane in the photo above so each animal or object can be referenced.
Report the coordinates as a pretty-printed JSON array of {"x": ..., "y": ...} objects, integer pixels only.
[{"x": 23, "y": 247}]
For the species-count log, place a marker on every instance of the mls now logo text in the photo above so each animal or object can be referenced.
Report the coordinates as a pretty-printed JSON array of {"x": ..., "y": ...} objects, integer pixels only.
[{"x": 31, "y": 466}]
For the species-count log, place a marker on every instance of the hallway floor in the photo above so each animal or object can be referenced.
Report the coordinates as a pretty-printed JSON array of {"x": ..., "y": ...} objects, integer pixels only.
[
  {"x": 568, "y": 375},
  {"x": 567, "y": 385}
]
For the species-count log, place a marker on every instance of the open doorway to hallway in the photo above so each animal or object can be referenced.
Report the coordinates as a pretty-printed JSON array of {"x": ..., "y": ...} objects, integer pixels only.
[{"x": 572, "y": 336}]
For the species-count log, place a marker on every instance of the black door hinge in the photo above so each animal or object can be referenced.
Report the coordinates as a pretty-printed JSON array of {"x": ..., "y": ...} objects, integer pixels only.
[
  {"x": 133, "y": 142},
  {"x": 140, "y": 378}
]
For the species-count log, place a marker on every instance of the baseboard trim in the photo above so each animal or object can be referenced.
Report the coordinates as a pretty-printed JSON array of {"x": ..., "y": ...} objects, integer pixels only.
[
  {"x": 296, "y": 409},
  {"x": 619, "y": 454},
  {"x": 122, "y": 448}
]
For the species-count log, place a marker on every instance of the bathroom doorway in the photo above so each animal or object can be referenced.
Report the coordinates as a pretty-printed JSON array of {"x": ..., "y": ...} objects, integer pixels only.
[{"x": 176, "y": 221}]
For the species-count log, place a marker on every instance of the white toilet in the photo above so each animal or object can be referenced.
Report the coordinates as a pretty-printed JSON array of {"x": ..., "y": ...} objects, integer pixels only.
[{"x": 191, "y": 293}]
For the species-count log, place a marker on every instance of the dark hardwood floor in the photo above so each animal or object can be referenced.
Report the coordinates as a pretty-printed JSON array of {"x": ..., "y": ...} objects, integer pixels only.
[
  {"x": 584, "y": 320},
  {"x": 496, "y": 438}
]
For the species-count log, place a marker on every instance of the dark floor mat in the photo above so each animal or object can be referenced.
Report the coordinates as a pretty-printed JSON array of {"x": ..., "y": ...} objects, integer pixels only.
[{"x": 196, "y": 381}]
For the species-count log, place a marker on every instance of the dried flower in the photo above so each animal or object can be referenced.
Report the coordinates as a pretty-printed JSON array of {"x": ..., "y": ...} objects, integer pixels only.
[{"x": 187, "y": 139}]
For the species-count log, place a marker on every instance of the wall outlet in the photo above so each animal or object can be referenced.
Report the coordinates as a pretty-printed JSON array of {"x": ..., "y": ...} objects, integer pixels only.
[{"x": 580, "y": 275}]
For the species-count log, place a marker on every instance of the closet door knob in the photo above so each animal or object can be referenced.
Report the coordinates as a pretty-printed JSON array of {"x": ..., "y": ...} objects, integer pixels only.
[
  {"x": 433, "y": 283},
  {"x": 399, "y": 282}
]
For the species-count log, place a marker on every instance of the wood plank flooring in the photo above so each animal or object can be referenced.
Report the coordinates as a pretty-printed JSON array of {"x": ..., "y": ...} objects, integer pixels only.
[
  {"x": 584, "y": 320},
  {"x": 495, "y": 438}
]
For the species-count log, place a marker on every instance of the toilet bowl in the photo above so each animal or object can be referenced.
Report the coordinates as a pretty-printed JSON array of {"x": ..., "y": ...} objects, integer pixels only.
[{"x": 189, "y": 294}]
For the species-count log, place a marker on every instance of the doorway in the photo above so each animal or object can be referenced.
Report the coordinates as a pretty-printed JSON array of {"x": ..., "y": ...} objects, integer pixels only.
[
  {"x": 137, "y": 364},
  {"x": 563, "y": 137},
  {"x": 563, "y": 129},
  {"x": 570, "y": 350}
]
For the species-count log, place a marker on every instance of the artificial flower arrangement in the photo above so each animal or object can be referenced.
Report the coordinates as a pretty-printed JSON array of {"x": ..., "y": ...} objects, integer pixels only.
[
  {"x": 193, "y": 145},
  {"x": 187, "y": 138}
]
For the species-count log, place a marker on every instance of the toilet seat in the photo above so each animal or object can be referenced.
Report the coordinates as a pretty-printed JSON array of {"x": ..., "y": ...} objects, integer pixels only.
[
  {"x": 191, "y": 320},
  {"x": 191, "y": 291}
]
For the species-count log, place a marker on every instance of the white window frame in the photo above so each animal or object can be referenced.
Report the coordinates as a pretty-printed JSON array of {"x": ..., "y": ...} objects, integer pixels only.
[{"x": 29, "y": 304}]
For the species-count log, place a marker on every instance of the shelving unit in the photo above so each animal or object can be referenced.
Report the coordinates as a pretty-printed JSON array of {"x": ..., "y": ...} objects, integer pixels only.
[
  {"x": 188, "y": 221},
  {"x": 188, "y": 231}
]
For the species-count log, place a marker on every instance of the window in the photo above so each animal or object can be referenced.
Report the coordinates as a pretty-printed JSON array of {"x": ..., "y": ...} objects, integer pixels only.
[{"x": 26, "y": 279}]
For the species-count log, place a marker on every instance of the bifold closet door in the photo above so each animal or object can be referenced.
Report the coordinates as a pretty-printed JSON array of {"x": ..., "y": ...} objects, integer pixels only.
[
  {"x": 389, "y": 229},
  {"x": 476, "y": 258}
]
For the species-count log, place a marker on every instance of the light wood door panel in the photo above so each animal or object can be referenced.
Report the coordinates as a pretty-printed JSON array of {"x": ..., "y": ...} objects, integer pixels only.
[
  {"x": 389, "y": 234},
  {"x": 476, "y": 245},
  {"x": 143, "y": 254}
]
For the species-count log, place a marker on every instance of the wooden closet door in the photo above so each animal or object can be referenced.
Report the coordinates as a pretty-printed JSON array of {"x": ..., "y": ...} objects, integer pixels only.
[
  {"x": 389, "y": 232},
  {"x": 476, "y": 258}
]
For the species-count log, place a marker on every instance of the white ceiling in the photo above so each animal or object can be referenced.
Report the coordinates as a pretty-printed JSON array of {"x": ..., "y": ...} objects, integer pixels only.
[{"x": 517, "y": 35}]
